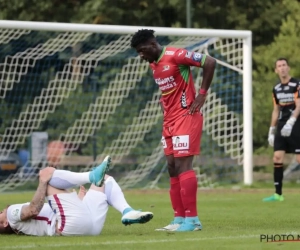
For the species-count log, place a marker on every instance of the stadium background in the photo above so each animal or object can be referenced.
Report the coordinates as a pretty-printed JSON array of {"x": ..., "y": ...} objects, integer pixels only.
[
  {"x": 233, "y": 215},
  {"x": 273, "y": 35}
]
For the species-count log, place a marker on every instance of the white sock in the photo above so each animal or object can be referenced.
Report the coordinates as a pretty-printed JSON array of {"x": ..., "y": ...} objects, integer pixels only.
[
  {"x": 115, "y": 196},
  {"x": 63, "y": 179}
]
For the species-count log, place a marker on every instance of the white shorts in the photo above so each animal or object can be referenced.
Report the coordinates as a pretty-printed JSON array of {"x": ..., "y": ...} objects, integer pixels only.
[{"x": 79, "y": 217}]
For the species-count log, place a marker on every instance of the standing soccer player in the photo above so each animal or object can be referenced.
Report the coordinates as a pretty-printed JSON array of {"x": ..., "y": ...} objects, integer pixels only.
[
  {"x": 284, "y": 132},
  {"x": 182, "y": 125}
]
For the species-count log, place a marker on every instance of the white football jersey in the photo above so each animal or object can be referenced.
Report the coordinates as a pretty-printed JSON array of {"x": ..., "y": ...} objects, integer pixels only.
[{"x": 41, "y": 225}]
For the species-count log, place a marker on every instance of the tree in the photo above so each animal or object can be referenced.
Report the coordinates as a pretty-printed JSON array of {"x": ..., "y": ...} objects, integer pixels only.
[{"x": 286, "y": 44}]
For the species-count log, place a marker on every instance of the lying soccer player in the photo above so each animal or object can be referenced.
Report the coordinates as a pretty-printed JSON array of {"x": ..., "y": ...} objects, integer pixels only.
[{"x": 67, "y": 213}]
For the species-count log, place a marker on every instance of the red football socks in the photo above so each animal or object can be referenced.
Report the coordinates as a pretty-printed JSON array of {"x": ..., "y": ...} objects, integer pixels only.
[
  {"x": 189, "y": 186},
  {"x": 176, "y": 197}
]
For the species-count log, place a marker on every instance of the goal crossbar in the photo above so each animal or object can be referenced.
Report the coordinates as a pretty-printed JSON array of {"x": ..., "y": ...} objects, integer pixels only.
[{"x": 246, "y": 35}]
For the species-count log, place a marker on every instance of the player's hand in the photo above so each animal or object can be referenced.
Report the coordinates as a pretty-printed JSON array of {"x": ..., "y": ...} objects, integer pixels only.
[
  {"x": 271, "y": 136},
  {"x": 271, "y": 139},
  {"x": 286, "y": 130},
  {"x": 46, "y": 174},
  {"x": 197, "y": 104},
  {"x": 288, "y": 127}
]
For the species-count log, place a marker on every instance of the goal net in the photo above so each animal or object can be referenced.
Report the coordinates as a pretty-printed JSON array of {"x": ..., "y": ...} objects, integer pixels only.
[{"x": 92, "y": 95}]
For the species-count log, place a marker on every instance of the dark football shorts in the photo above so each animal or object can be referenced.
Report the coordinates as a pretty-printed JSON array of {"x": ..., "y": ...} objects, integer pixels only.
[{"x": 291, "y": 144}]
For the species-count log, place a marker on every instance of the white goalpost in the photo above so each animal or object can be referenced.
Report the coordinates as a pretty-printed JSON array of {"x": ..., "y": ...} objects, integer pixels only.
[{"x": 89, "y": 91}]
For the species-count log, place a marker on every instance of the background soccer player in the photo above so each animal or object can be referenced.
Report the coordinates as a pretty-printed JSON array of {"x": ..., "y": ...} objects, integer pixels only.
[
  {"x": 284, "y": 132},
  {"x": 182, "y": 125}
]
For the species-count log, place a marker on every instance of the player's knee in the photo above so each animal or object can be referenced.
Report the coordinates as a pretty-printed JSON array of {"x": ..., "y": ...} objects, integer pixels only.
[
  {"x": 277, "y": 158},
  {"x": 171, "y": 166},
  {"x": 298, "y": 158}
]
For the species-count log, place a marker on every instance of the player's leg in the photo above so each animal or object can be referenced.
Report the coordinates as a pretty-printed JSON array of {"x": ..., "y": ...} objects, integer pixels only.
[
  {"x": 116, "y": 198},
  {"x": 73, "y": 217},
  {"x": 96, "y": 202},
  {"x": 186, "y": 144},
  {"x": 63, "y": 179},
  {"x": 175, "y": 188},
  {"x": 280, "y": 147}
]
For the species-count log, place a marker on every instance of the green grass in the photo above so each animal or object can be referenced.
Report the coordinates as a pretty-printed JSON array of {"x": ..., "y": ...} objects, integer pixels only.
[{"x": 232, "y": 220}]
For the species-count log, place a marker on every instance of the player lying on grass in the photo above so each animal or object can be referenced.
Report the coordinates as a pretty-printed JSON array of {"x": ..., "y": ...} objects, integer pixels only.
[{"x": 67, "y": 213}]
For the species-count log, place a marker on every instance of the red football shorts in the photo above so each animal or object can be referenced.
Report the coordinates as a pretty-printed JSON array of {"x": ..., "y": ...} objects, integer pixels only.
[{"x": 183, "y": 138}]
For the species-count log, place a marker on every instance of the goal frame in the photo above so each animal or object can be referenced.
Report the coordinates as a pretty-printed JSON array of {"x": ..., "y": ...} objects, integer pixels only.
[{"x": 246, "y": 35}]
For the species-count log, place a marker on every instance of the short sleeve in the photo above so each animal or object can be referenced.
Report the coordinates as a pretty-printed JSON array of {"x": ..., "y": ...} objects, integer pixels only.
[
  {"x": 14, "y": 213},
  {"x": 298, "y": 91},
  {"x": 275, "y": 100},
  {"x": 189, "y": 58}
]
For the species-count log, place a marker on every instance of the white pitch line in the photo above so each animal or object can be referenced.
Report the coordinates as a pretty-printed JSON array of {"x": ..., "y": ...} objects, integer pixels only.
[{"x": 130, "y": 242}]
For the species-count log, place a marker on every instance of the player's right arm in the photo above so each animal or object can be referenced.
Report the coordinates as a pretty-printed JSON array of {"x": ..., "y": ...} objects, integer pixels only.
[
  {"x": 275, "y": 112},
  {"x": 274, "y": 119},
  {"x": 161, "y": 105},
  {"x": 35, "y": 206}
]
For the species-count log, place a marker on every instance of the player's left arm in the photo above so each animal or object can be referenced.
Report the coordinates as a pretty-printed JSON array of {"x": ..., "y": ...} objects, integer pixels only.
[
  {"x": 208, "y": 66},
  {"x": 287, "y": 128},
  {"x": 184, "y": 57},
  {"x": 35, "y": 206},
  {"x": 296, "y": 112}
]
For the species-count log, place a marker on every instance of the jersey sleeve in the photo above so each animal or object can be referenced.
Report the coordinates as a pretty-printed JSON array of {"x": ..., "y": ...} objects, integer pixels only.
[
  {"x": 275, "y": 100},
  {"x": 297, "y": 94},
  {"x": 14, "y": 213},
  {"x": 189, "y": 58}
]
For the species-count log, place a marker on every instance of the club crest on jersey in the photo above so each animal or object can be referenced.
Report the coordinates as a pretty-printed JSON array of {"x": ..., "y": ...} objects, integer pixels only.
[
  {"x": 166, "y": 67},
  {"x": 15, "y": 212},
  {"x": 197, "y": 57}
]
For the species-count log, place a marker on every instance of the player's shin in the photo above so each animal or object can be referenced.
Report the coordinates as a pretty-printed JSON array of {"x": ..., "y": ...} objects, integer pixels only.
[
  {"x": 116, "y": 199},
  {"x": 278, "y": 177},
  {"x": 115, "y": 195},
  {"x": 175, "y": 197},
  {"x": 189, "y": 186}
]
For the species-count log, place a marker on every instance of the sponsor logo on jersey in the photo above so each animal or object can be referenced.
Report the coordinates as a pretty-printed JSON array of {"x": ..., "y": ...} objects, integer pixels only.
[
  {"x": 188, "y": 54},
  {"x": 163, "y": 142},
  {"x": 181, "y": 142},
  {"x": 197, "y": 57},
  {"x": 165, "y": 83},
  {"x": 180, "y": 53},
  {"x": 161, "y": 81},
  {"x": 169, "y": 53},
  {"x": 183, "y": 100},
  {"x": 285, "y": 97},
  {"x": 292, "y": 84},
  {"x": 286, "y": 88},
  {"x": 166, "y": 67},
  {"x": 183, "y": 152}
]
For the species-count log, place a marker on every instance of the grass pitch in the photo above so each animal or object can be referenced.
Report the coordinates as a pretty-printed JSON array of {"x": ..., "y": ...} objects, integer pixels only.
[{"x": 231, "y": 219}]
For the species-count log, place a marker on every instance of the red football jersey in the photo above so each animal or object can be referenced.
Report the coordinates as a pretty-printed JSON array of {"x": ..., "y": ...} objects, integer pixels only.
[{"x": 173, "y": 75}]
